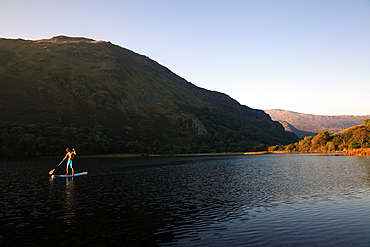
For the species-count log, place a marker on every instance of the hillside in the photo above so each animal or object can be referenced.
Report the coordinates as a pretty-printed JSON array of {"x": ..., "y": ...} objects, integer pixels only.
[
  {"x": 77, "y": 82},
  {"x": 353, "y": 141},
  {"x": 314, "y": 124},
  {"x": 300, "y": 133}
]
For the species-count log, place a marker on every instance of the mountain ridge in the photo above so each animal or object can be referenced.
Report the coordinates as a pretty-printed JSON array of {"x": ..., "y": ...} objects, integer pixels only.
[
  {"x": 314, "y": 124},
  {"x": 78, "y": 81}
]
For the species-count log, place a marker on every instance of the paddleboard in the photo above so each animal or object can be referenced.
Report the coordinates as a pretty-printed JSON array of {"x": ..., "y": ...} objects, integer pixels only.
[{"x": 69, "y": 175}]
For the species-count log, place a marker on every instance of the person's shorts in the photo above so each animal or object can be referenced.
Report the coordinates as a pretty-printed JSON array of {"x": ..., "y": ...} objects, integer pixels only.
[{"x": 69, "y": 164}]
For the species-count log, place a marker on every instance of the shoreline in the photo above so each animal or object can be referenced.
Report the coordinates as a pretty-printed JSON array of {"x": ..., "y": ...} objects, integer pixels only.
[
  {"x": 359, "y": 152},
  {"x": 356, "y": 152},
  {"x": 91, "y": 156}
]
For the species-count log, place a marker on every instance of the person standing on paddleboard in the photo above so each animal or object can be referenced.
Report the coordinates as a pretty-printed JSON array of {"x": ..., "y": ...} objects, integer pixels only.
[{"x": 70, "y": 155}]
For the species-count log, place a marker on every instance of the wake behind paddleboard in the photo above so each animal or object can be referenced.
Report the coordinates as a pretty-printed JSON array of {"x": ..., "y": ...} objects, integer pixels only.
[{"x": 69, "y": 176}]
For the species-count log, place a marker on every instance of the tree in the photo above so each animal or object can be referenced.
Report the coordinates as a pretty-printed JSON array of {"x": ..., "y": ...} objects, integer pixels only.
[
  {"x": 305, "y": 144},
  {"x": 367, "y": 123},
  {"x": 330, "y": 146},
  {"x": 362, "y": 135},
  {"x": 261, "y": 147},
  {"x": 290, "y": 148},
  {"x": 319, "y": 141},
  {"x": 134, "y": 147}
]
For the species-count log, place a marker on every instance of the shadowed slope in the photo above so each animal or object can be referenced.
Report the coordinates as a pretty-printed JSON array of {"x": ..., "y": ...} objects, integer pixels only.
[{"x": 78, "y": 81}]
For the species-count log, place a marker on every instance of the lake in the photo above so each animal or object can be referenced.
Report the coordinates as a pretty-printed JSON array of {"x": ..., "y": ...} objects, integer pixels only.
[{"x": 250, "y": 200}]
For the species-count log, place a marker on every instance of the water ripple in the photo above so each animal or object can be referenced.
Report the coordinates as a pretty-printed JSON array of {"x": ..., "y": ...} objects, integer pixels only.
[{"x": 270, "y": 200}]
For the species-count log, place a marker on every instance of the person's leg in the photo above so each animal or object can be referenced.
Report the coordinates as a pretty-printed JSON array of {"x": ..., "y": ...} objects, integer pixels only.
[{"x": 68, "y": 164}]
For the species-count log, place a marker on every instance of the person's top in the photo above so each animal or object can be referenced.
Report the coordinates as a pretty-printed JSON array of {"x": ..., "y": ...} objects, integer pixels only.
[{"x": 70, "y": 153}]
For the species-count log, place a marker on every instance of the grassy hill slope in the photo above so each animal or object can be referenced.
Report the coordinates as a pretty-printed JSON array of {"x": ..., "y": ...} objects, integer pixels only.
[{"x": 66, "y": 81}]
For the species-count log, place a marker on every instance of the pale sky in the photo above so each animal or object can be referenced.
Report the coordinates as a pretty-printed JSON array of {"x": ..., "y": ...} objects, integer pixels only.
[{"x": 307, "y": 56}]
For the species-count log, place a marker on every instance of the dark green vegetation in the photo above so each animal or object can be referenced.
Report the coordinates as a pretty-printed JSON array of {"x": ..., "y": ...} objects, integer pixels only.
[
  {"x": 308, "y": 124},
  {"x": 102, "y": 98},
  {"x": 357, "y": 137}
]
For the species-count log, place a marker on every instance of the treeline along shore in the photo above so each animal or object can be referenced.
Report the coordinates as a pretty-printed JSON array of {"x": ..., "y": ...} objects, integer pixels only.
[
  {"x": 35, "y": 140},
  {"x": 23, "y": 141},
  {"x": 353, "y": 141}
]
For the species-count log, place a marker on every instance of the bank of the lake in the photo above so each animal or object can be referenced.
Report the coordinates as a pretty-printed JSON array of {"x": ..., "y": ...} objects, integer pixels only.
[
  {"x": 124, "y": 155},
  {"x": 359, "y": 152},
  {"x": 352, "y": 152}
]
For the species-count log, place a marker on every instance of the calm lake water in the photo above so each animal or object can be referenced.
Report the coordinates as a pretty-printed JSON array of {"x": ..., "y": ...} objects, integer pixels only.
[{"x": 258, "y": 200}]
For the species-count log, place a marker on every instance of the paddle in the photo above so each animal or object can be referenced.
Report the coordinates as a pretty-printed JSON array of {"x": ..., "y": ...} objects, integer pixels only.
[{"x": 52, "y": 171}]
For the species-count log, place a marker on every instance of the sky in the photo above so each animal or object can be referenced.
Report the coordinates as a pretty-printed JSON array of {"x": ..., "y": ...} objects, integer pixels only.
[{"x": 307, "y": 56}]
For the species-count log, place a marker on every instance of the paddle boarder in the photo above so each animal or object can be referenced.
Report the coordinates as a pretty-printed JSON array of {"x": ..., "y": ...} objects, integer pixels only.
[{"x": 70, "y": 155}]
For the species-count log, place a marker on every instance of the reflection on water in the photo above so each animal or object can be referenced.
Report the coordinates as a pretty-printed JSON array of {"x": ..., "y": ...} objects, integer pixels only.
[
  {"x": 69, "y": 199},
  {"x": 269, "y": 200},
  {"x": 51, "y": 187},
  {"x": 70, "y": 202}
]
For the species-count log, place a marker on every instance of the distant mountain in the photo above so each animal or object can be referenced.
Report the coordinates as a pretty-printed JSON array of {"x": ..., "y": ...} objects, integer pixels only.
[
  {"x": 308, "y": 125},
  {"x": 67, "y": 81},
  {"x": 300, "y": 133}
]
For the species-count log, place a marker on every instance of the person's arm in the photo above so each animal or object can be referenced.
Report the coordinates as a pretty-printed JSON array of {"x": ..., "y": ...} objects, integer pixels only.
[{"x": 74, "y": 151}]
